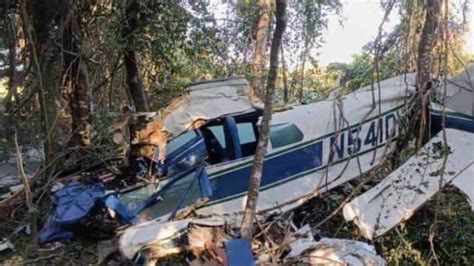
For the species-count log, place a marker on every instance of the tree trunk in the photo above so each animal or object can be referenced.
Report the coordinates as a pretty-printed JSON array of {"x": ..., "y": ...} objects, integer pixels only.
[
  {"x": 135, "y": 85},
  {"x": 12, "y": 39},
  {"x": 304, "y": 55},
  {"x": 425, "y": 47},
  {"x": 76, "y": 76},
  {"x": 41, "y": 49},
  {"x": 258, "y": 62},
  {"x": 285, "y": 77},
  {"x": 255, "y": 178},
  {"x": 302, "y": 83}
]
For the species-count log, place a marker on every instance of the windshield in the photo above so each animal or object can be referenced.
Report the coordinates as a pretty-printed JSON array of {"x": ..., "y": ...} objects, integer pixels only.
[
  {"x": 180, "y": 194},
  {"x": 185, "y": 152},
  {"x": 284, "y": 134},
  {"x": 180, "y": 141}
]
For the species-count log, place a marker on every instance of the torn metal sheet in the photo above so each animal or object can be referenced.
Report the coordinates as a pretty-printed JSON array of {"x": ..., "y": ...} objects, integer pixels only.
[
  {"x": 202, "y": 102},
  {"x": 333, "y": 251},
  {"x": 166, "y": 235},
  {"x": 407, "y": 81},
  {"x": 10, "y": 181},
  {"x": 459, "y": 92},
  {"x": 304, "y": 242},
  {"x": 400, "y": 194},
  {"x": 209, "y": 100},
  {"x": 459, "y": 102}
]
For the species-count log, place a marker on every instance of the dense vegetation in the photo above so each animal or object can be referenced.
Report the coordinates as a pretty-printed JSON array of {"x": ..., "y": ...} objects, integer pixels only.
[{"x": 68, "y": 68}]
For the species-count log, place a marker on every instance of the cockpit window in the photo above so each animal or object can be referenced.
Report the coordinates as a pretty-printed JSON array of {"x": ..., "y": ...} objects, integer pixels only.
[
  {"x": 246, "y": 133},
  {"x": 180, "y": 141},
  {"x": 284, "y": 134},
  {"x": 218, "y": 132}
]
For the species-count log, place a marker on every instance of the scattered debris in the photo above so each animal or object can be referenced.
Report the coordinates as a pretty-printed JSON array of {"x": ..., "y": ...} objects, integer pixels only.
[
  {"x": 332, "y": 251},
  {"x": 155, "y": 241},
  {"x": 5, "y": 245},
  {"x": 164, "y": 239},
  {"x": 10, "y": 184}
]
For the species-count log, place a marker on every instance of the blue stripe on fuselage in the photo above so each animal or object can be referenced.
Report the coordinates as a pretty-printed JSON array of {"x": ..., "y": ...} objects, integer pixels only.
[
  {"x": 275, "y": 169},
  {"x": 453, "y": 120}
]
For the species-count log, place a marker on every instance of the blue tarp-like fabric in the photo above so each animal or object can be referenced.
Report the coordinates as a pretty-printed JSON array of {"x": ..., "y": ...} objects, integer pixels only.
[
  {"x": 70, "y": 205},
  {"x": 75, "y": 201}
]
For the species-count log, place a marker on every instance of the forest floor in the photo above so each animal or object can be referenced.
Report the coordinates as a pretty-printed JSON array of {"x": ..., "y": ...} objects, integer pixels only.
[{"x": 408, "y": 243}]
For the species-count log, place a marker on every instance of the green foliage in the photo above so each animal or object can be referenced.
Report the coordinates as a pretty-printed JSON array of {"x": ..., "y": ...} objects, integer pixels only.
[
  {"x": 409, "y": 242},
  {"x": 308, "y": 20}
]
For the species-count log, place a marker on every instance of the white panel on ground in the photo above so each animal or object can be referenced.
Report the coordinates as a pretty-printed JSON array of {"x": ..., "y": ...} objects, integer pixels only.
[{"x": 399, "y": 195}]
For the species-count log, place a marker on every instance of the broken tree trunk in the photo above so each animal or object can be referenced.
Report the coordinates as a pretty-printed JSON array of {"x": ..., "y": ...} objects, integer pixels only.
[
  {"x": 304, "y": 55},
  {"x": 255, "y": 178},
  {"x": 260, "y": 47},
  {"x": 32, "y": 210},
  {"x": 135, "y": 85},
  {"x": 285, "y": 78},
  {"x": 425, "y": 47},
  {"x": 76, "y": 82},
  {"x": 12, "y": 39},
  {"x": 37, "y": 17}
]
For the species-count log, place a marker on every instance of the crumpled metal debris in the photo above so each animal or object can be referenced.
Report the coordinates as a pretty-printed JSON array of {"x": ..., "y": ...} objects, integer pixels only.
[
  {"x": 5, "y": 245},
  {"x": 163, "y": 239},
  {"x": 10, "y": 182},
  {"x": 220, "y": 98},
  {"x": 330, "y": 251},
  {"x": 334, "y": 251}
]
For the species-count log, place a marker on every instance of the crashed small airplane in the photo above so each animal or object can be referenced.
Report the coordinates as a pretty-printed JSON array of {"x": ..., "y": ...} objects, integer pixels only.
[
  {"x": 313, "y": 148},
  {"x": 211, "y": 165},
  {"x": 207, "y": 137}
]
